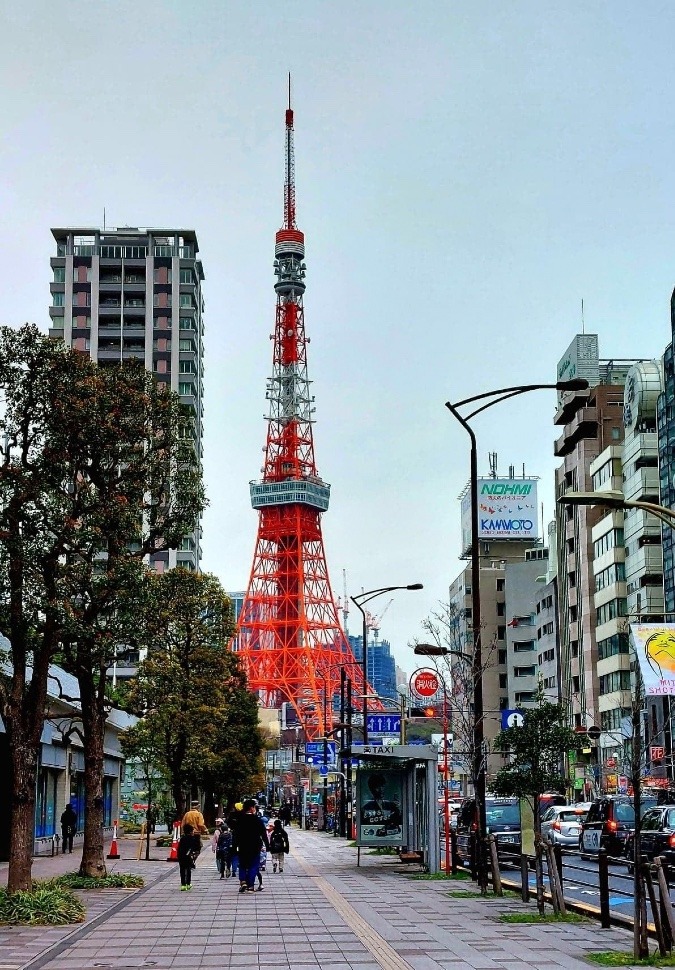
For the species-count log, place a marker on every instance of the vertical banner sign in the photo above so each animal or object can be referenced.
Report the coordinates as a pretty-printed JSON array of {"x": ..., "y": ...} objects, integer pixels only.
[
  {"x": 379, "y": 799},
  {"x": 654, "y": 645}
]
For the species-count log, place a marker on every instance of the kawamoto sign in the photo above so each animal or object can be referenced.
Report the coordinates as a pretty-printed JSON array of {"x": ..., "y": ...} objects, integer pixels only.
[{"x": 507, "y": 509}]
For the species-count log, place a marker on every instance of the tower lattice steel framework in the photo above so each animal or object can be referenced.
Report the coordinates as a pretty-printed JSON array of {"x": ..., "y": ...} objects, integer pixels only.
[{"x": 289, "y": 637}]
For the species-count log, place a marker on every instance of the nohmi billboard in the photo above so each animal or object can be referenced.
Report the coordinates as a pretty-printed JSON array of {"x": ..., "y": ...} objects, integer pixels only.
[{"x": 507, "y": 509}]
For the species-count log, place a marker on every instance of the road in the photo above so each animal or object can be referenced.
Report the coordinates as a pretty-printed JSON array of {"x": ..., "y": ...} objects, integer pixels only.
[{"x": 580, "y": 881}]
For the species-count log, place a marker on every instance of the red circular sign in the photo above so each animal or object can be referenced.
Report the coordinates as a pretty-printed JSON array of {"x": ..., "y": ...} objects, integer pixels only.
[{"x": 425, "y": 683}]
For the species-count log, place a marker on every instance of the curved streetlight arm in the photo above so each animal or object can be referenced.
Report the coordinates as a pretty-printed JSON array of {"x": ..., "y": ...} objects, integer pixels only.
[
  {"x": 359, "y": 601},
  {"x": 617, "y": 501},
  {"x": 574, "y": 385}
]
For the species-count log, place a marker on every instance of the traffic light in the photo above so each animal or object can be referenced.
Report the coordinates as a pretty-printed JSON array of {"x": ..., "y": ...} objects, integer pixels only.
[{"x": 423, "y": 711}]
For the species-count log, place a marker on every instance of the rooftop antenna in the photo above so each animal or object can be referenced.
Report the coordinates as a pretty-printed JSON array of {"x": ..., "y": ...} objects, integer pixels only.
[
  {"x": 583, "y": 322},
  {"x": 492, "y": 458},
  {"x": 104, "y": 217}
]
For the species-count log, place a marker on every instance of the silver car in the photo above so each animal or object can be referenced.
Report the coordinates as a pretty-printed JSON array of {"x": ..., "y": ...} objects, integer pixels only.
[{"x": 561, "y": 824}]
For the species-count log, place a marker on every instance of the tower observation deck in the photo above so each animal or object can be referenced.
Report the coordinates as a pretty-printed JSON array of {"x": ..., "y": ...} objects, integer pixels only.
[{"x": 289, "y": 638}]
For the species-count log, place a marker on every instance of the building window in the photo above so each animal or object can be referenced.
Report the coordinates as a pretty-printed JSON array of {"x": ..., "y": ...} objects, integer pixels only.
[
  {"x": 187, "y": 367},
  {"x": 186, "y": 276},
  {"x": 185, "y": 387},
  {"x": 500, "y": 585},
  {"x": 501, "y": 609},
  {"x": 617, "y": 680},
  {"x": 59, "y": 299},
  {"x": 609, "y": 611},
  {"x": 186, "y": 301},
  {"x": 611, "y": 540},
  {"x": 59, "y": 274},
  {"x": 501, "y": 632},
  {"x": 525, "y": 671},
  {"x": 187, "y": 323},
  {"x": 612, "y": 646},
  {"x": 503, "y": 681},
  {"x": 187, "y": 345}
]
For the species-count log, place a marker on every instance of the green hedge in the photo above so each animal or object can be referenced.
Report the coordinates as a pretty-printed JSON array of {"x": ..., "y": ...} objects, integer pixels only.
[{"x": 46, "y": 905}]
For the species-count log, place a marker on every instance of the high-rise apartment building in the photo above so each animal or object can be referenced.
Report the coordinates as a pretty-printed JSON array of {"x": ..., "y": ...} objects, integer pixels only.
[
  {"x": 591, "y": 420},
  {"x": 666, "y": 444},
  {"x": 122, "y": 293}
]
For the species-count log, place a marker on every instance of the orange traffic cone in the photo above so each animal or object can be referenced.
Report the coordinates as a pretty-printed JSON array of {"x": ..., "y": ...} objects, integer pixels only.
[
  {"x": 114, "y": 854},
  {"x": 173, "y": 855}
]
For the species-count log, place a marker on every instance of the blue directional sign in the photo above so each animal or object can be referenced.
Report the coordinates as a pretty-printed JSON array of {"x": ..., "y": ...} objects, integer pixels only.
[
  {"x": 512, "y": 718},
  {"x": 314, "y": 752},
  {"x": 384, "y": 724},
  {"x": 323, "y": 770}
]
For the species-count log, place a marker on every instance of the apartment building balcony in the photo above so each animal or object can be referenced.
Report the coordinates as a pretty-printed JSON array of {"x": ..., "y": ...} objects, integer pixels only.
[
  {"x": 642, "y": 484},
  {"x": 109, "y": 305},
  {"x": 569, "y": 405},
  {"x": 134, "y": 306},
  {"x": 583, "y": 425},
  {"x": 647, "y": 600},
  {"x": 109, "y": 353},
  {"x": 644, "y": 560}
]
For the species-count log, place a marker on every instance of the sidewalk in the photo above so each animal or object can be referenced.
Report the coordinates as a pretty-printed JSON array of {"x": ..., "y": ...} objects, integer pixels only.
[{"x": 322, "y": 911}]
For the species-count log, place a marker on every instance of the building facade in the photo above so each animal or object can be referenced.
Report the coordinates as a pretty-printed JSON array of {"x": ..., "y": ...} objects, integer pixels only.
[
  {"x": 666, "y": 446},
  {"x": 60, "y": 778},
  {"x": 591, "y": 420},
  {"x": 123, "y": 293}
]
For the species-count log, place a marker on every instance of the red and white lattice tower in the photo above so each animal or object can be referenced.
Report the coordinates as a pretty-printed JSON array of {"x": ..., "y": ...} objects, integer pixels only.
[{"x": 289, "y": 637}]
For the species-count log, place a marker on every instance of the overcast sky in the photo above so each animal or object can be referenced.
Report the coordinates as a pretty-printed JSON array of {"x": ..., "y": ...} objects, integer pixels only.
[{"x": 467, "y": 172}]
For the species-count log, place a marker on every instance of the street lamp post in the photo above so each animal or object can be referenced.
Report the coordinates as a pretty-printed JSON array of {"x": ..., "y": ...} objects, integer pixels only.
[
  {"x": 489, "y": 398},
  {"x": 359, "y": 601}
]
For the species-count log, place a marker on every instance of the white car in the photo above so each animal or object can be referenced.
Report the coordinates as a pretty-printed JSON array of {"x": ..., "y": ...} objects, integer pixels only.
[{"x": 561, "y": 824}]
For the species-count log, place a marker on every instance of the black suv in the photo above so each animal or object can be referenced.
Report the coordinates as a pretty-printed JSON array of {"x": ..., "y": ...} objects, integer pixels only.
[
  {"x": 503, "y": 820},
  {"x": 657, "y": 835},
  {"x": 609, "y": 824}
]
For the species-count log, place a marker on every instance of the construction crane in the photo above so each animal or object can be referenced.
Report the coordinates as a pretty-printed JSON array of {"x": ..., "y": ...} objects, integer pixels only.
[
  {"x": 373, "y": 622},
  {"x": 343, "y": 604}
]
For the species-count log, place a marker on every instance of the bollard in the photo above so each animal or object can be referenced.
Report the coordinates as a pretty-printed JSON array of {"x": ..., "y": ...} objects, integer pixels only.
[
  {"x": 453, "y": 851},
  {"x": 603, "y": 881},
  {"x": 524, "y": 879},
  {"x": 473, "y": 854},
  {"x": 667, "y": 918},
  {"x": 557, "y": 852}
]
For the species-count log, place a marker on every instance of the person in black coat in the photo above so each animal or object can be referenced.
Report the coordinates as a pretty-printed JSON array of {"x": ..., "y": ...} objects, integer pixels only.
[
  {"x": 189, "y": 847},
  {"x": 248, "y": 837},
  {"x": 68, "y": 827}
]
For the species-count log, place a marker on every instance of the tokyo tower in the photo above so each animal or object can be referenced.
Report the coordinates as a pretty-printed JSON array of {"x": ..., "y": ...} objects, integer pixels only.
[{"x": 289, "y": 637}]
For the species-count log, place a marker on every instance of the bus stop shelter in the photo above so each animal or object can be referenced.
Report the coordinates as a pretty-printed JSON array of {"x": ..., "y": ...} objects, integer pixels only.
[{"x": 396, "y": 800}]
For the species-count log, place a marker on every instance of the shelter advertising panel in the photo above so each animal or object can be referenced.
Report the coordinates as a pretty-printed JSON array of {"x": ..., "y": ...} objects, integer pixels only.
[
  {"x": 654, "y": 645},
  {"x": 379, "y": 799}
]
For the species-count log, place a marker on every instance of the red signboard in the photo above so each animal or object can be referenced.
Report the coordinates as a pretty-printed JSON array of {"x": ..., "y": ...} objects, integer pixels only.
[
  {"x": 657, "y": 753},
  {"x": 425, "y": 683}
]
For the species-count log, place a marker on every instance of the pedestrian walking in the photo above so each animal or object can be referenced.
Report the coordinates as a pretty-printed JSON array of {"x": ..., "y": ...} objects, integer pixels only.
[
  {"x": 189, "y": 847},
  {"x": 232, "y": 821},
  {"x": 286, "y": 814},
  {"x": 195, "y": 818},
  {"x": 278, "y": 845},
  {"x": 169, "y": 819},
  {"x": 248, "y": 839},
  {"x": 68, "y": 827},
  {"x": 223, "y": 849}
]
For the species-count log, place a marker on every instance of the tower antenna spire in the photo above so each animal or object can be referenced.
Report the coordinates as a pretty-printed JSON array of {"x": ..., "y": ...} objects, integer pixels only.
[{"x": 289, "y": 179}]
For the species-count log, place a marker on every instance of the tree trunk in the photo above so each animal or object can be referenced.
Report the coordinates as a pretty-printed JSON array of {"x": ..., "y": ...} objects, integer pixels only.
[
  {"x": 24, "y": 720},
  {"x": 24, "y": 746},
  {"x": 93, "y": 724}
]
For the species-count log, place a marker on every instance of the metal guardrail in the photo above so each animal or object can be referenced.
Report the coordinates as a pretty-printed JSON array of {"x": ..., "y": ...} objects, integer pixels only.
[{"x": 515, "y": 869}]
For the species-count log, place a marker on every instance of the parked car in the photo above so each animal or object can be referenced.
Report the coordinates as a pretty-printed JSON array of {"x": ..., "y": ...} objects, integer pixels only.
[
  {"x": 561, "y": 824},
  {"x": 502, "y": 818},
  {"x": 657, "y": 835},
  {"x": 609, "y": 824},
  {"x": 548, "y": 799}
]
